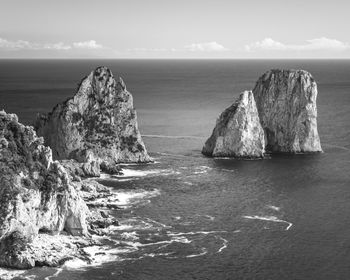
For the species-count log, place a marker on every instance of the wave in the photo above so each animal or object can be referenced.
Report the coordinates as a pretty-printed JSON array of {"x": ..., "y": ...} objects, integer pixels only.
[
  {"x": 224, "y": 244},
  {"x": 271, "y": 219},
  {"x": 195, "y": 232},
  {"x": 130, "y": 174},
  {"x": 126, "y": 199},
  {"x": 202, "y": 253},
  {"x": 273, "y": 207}
]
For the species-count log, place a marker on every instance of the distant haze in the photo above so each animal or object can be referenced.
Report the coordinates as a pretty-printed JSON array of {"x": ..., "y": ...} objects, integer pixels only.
[{"x": 174, "y": 29}]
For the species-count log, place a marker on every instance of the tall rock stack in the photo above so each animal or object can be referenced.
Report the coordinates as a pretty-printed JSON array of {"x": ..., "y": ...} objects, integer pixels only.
[
  {"x": 280, "y": 115},
  {"x": 238, "y": 132},
  {"x": 286, "y": 102},
  {"x": 97, "y": 123}
]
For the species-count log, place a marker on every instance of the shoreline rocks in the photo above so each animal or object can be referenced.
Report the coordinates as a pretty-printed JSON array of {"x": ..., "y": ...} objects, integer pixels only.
[
  {"x": 97, "y": 124},
  {"x": 43, "y": 204},
  {"x": 238, "y": 132}
]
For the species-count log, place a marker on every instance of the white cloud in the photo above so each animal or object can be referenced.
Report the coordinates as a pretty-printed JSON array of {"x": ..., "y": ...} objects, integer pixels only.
[
  {"x": 57, "y": 46},
  {"x": 205, "y": 47},
  {"x": 92, "y": 44},
  {"x": 26, "y": 45},
  {"x": 148, "y": 50},
  {"x": 317, "y": 44},
  {"x": 20, "y": 44}
]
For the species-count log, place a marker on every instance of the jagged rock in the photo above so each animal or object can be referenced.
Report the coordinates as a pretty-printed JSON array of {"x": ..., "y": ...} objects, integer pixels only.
[
  {"x": 99, "y": 120},
  {"x": 286, "y": 102},
  {"x": 238, "y": 132},
  {"x": 35, "y": 192}
]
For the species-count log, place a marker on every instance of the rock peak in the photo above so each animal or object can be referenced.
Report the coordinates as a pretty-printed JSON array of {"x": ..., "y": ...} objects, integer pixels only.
[
  {"x": 286, "y": 102},
  {"x": 99, "y": 119},
  {"x": 238, "y": 132}
]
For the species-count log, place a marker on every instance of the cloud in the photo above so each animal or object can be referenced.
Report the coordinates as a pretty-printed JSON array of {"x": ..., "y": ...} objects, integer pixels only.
[
  {"x": 318, "y": 44},
  {"x": 92, "y": 44},
  {"x": 205, "y": 47},
  {"x": 57, "y": 46},
  {"x": 149, "y": 50},
  {"x": 26, "y": 45}
]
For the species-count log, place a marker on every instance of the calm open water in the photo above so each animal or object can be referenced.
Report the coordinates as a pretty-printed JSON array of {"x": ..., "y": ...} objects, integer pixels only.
[{"x": 191, "y": 217}]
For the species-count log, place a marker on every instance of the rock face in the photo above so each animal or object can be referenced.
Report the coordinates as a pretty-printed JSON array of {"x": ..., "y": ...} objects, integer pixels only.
[
  {"x": 98, "y": 124},
  {"x": 238, "y": 132},
  {"x": 35, "y": 192},
  {"x": 286, "y": 102}
]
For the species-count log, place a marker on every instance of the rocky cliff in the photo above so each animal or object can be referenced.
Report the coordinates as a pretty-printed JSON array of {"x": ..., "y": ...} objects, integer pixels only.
[
  {"x": 35, "y": 193},
  {"x": 98, "y": 123},
  {"x": 286, "y": 102},
  {"x": 238, "y": 132}
]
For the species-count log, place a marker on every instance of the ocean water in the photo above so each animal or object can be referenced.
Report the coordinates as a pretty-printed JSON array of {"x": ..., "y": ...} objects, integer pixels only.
[{"x": 191, "y": 217}]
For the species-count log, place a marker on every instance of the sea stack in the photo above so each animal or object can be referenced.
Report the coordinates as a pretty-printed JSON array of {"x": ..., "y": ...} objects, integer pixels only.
[
  {"x": 286, "y": 102},
  {"x": 35, "y": 193},
  {"x": 238, "y": 132},
  {"x": 98, "y": 123}
]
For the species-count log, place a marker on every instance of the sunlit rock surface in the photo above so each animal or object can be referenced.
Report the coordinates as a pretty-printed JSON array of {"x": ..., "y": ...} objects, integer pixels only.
[
  {"x": 238, "y": 132},
  {"x": 35, "y": 193},
  {"x": 286, "y": 102}
]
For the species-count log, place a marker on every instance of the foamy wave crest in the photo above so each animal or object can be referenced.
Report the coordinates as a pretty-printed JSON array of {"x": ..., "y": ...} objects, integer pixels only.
[
  {"x": 126, "y": 199},
  {"x": 269, "y": 218},
  {"x": 202, "y": 253},
  {"x": 224, "y": 244},
  {"x": 273, "y": 207}
]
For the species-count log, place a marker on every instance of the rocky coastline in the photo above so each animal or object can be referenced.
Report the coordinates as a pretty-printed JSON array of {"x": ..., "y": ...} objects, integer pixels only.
[{"x": 52, "y": 208}]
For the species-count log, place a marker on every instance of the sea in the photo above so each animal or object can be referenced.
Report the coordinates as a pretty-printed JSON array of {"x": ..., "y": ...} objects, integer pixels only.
[{"x": 186, "y": 216}]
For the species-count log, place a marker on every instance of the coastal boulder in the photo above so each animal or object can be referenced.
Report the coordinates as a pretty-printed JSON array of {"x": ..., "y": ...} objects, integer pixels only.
[
  {"x": 286, "y": 102},
  {"x": 35, "y": 192},
  {"x": 98, "y": 123},
  {"x": 238, "y": 132}
]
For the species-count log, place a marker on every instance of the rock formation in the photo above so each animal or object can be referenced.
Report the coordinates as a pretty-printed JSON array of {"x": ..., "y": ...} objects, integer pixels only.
[
  {"x": 238, "y": 132},
  {"x": 35, "y": 193},
  {"x": 286, "y": 102},
  {"x": 98, "y": 124}
]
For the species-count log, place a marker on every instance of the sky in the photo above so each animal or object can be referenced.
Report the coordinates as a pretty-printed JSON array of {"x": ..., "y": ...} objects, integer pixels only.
[{"x": 174, "y": 29}]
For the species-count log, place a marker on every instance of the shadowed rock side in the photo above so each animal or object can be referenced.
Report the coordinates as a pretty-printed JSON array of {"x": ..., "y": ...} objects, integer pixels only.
[
  {"x": 238, "y": 132},
  {"x": 286, "y": 102},
  {"x": 97, "y": 124},
  {"x": 35, "y": 193}
]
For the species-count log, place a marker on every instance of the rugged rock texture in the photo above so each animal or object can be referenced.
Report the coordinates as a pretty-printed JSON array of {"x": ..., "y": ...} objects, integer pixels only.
[
  {"x": 286, "y": 102},
  {"x": 98, "y": 123},
  {"x": 238, "y": 132},
  {"x": 35, "y": 192}
]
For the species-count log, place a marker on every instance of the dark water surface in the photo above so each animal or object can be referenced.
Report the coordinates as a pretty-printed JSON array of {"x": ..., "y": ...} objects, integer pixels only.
[{"x": 192, "y": 217}]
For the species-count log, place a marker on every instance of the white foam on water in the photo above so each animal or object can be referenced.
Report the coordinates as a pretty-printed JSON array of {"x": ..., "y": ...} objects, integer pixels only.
[
  {"x": 224, "y": 244},
  {"x": 130, "y": 235},
  {"x": 273, "y": 207},
  {"x": 188, "y": 183},
  {"x": 211, "y": 218},
  {"x": 271, "y": 219},
  {"x": 195, "y": 232},
  {"x": 74, "y": 264},
  {"x": 202, "y": 253},
  {"x": 202, "y": 169},
  {"x": 125, "y": 198},
  {"x": 7, "y": 273}
]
